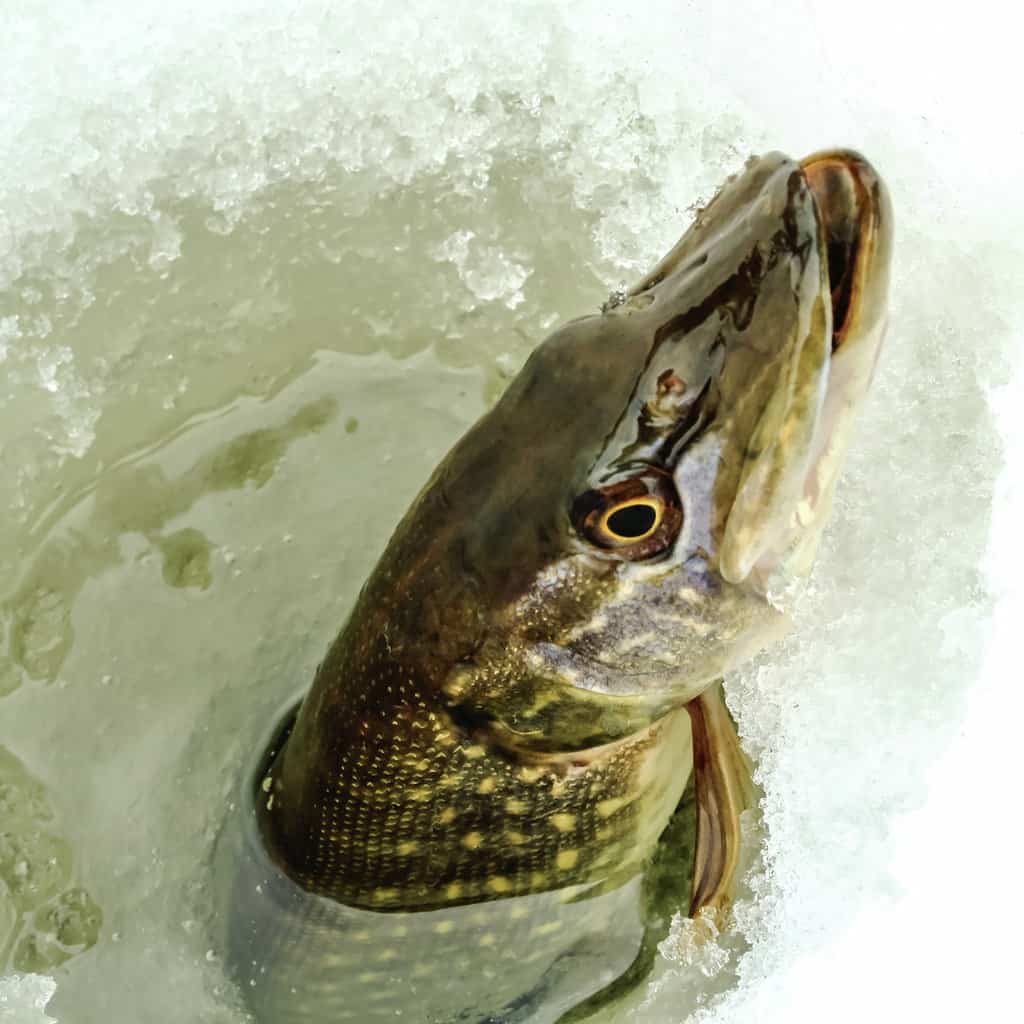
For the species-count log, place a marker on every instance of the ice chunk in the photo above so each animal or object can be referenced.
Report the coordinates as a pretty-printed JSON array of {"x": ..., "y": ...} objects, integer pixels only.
[
  {"x": 487, "y": 272},
  {"x": 24, "y": 997}
]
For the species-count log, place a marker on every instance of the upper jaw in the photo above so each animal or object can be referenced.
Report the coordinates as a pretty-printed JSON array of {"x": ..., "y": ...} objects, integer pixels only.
[
  {"x": 856, "y": 221},
  {"x": 781, "y": 506}
]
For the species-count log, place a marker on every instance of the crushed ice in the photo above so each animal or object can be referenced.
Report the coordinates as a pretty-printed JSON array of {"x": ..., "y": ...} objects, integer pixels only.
[{"x": 23, "y": 999}]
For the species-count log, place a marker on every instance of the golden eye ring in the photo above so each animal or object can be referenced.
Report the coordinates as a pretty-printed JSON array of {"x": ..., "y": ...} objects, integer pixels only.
[{"x": 633, "y": 520}]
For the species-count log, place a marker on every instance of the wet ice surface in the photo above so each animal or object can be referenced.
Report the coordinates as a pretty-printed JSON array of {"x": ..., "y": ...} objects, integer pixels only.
[
  {"x": 259, "y": 268},
  {"x": 23, "y": 999}
]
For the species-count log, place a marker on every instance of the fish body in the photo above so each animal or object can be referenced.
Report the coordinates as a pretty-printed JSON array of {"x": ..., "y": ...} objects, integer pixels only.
[
  {"x": 523, "y": 707},
  {"x": 533, "y": 957}
]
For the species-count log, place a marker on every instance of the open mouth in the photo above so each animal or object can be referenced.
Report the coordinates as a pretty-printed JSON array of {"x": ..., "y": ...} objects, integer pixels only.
[{"x": 848, "y": 195}]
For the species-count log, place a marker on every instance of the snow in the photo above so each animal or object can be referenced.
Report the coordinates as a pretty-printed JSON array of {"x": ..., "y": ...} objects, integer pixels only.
[{"x": 23, "y": 999}]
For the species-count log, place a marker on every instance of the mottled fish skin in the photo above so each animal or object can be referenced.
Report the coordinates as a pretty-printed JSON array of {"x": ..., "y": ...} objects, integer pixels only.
[
  {"x": 298, "y": 957},
  {"x": 507, "y": 713}
]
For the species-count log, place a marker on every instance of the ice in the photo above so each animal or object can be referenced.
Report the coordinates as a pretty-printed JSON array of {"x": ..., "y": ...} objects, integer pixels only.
[
  {"x": 8, "y": 333},
  {"x": 485, "y": 270},
  {"x": 23, "y": 998},
  {"x": 198, "y": 198}
]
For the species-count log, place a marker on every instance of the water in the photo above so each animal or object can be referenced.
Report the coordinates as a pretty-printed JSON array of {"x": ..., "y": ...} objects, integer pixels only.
[{"x": 259, "y": 268}]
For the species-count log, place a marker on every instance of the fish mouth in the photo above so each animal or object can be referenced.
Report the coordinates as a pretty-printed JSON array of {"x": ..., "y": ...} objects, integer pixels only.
[
  {"x": 856, "y": 224},
  {"x": 853, "y": 210},
  {"x": 781, "y": 507}
]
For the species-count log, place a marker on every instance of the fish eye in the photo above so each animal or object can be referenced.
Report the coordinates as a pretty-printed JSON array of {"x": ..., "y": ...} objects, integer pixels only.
[
  {"x": 635, "y": 517},
  {"x": 633, "y": 520}
]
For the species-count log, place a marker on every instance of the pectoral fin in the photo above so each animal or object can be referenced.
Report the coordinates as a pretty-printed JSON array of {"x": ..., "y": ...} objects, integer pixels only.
[{"x": 724, "y": 788}]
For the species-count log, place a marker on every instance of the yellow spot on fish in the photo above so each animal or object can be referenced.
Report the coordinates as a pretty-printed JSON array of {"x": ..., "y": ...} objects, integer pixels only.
[
  {"x": 499, "y": 884},
  {"x": 447, "y": 816},
  {"x": 515, "y": 838},
  {"x": 547, "y": 929},
  {"x": 518, "y": 913},
  {"x": 475, "y": 752},
  {"x": 421, "y": 969},
  {"x": 400, "y": 932},
  {"x": 383, "y": 895},
  {"x": 514, "y": 805},
  {"x": 363, "y": 935},
  {"x": 529, "y": 774},
  {"x": 472, "y": 840},
  {"x": 455, "y": 687},
  {"x": 444, "y": 927},
  {"x": 567, "y": 859},
  {"x": 420, "y": 794},
  {"x": 563, "y": 822},
  {"x": 367, "y": 976},
  {"x": 489, "y": 939},
  {"x": 387, "y": 954},
  {"x": 453, "y": 891},
  {"x": 423, "y": 765},
  {"x": 409, "y": 846},
  {"x": 538, "y": 879},
  {"x": 606, "y": 808},
  {"x": 488, "y": 785},
  {"x": 603, "y": 834}
]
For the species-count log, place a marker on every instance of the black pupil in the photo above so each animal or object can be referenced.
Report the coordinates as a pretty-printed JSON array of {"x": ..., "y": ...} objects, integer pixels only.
[{"x": 632, "y": 521}]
